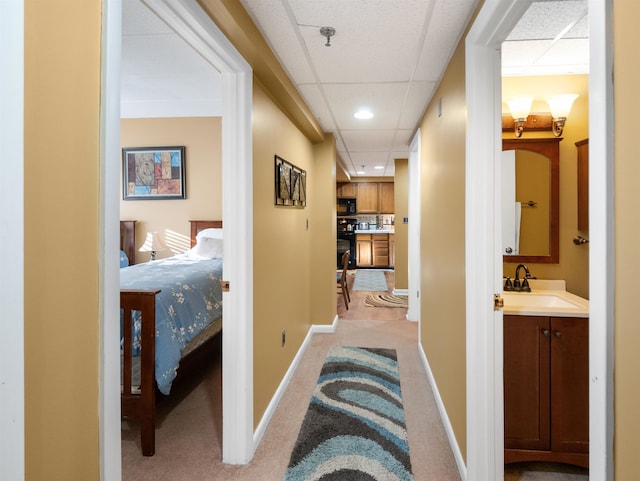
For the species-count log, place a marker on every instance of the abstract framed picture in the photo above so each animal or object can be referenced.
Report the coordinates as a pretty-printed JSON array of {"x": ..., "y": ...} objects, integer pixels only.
[
  {"x": 150, "y": 173},
  {"x": 290, "y": 184}
]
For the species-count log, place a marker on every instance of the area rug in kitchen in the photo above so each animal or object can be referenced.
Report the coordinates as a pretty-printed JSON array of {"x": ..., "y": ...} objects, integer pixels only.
[
  {"x": 369, "y": 280},
  {"x": 386, "y": 300},
  {"x": 355, "y": 425}
]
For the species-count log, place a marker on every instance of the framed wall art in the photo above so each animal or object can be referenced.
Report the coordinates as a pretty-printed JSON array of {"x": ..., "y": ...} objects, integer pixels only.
[
  {"x": 150, "y": 173},
  {"x": 290, "y": 184}
]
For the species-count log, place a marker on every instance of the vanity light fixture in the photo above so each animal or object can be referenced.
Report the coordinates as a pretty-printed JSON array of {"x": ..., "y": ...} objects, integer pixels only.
[
  {"x": 520, "y": 108},
  {"x": 363, "y": 114},
  {"x": 152, "y": 244},
  {"x": 560, "y": 106}
]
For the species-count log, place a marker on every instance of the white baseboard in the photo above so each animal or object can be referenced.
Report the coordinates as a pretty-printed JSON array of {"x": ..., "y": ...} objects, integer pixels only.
[
  {"x": 275, "y": 400},
  {"x": 453, "y": 442},
  {"x": 400, "y": 292}
]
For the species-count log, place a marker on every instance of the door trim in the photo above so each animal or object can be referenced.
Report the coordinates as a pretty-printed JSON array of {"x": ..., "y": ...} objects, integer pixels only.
[
  {"x": 12, "y": 450},
  {"x": 483, "y": 256}
]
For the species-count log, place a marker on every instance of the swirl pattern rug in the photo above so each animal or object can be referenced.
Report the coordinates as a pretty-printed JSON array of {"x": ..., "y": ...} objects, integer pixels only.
[{"x": 355, "y": 426}]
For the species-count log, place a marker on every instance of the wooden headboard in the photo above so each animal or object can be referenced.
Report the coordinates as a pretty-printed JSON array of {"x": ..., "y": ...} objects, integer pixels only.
[
  {"x": 198, "y": 225},
  {"x": 128, "y": 239}
]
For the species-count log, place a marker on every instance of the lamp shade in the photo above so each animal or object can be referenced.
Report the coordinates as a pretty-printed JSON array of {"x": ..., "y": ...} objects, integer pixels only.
[
  {"x": 152, "y": 243},
  {"x": 520, "y": 107},
  {"x": 560, "y": 105}
]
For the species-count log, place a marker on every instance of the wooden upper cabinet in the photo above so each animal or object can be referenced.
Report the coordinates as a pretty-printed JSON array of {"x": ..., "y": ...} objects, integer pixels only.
[
  {"x": 583, "y": 185},
  {"x": 386, "y": 202},
  {"x": 348, "y": 189},
  {"x": 367, "y": 200}
]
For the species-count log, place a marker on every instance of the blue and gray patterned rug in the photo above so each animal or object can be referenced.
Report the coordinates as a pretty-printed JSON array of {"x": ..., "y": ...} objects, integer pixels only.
[
  {"x": 355, "y": 426},
  {"x": 370, "y": 280}
]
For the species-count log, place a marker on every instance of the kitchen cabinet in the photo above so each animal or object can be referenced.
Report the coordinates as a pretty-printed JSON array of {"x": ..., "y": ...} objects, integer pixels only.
[
  {"x": 376, "y": 198},
  {"x": 386, "y": 200},
  {"x": 583, "y": 184},
  {"x": 392, "y": 250},
  {"x": 367, "y": 200},
  {"x": 546, "y": 389},
  {"x": 364, "y": 250},
  {"x": 348, "y": 189},
  {"x": 380, "y": 250},
  {"x": 373, "y": 250}
]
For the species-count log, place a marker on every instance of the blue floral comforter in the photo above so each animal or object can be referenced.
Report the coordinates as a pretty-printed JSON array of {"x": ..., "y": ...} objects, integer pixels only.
[{"x": 190, "y": 299}]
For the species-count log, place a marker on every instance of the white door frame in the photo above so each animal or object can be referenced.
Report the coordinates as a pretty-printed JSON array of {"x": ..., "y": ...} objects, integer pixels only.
[
  {"x": 188, "y": 19},
  {"x": 413, "y": 231},
  {"x": 12, "y": 240},
  {"x": 483, "y": 254}
]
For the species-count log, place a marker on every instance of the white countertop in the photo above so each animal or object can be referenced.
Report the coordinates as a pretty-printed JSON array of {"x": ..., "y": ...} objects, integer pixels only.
[
  {"x": 547, "y": 298},
  {"x": 386, "y": 230}
]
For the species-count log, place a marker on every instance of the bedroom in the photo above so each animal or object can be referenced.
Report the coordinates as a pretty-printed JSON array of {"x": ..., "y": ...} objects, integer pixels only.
[{"x": 273, "y": 133}]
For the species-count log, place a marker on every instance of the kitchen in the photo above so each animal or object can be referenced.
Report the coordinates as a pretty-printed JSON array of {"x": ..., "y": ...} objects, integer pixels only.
[{"x": 366, "y": 224}]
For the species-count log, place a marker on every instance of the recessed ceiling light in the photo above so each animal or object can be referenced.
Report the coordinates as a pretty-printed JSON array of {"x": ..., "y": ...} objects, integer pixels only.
[
  {"x": 360, "y": 172},
  {"x": 363, "y": 114},
  {"x": 379, "y": 167}
]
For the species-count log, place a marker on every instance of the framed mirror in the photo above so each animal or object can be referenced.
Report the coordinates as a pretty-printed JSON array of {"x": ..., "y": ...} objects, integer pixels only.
[{"x": 539, "y": 230}]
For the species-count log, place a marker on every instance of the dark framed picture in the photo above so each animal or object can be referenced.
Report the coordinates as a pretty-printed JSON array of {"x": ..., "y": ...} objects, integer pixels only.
[
  {"x": 150, "y": 173},
  {"x": 290, "y": 184}
]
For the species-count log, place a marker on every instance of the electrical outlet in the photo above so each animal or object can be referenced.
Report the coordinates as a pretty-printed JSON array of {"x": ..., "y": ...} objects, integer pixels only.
[{"x": 284, "y": 337}]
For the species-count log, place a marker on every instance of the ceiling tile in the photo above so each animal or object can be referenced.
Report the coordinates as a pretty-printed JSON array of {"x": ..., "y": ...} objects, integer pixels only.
[{"x": 368, "y": 140}]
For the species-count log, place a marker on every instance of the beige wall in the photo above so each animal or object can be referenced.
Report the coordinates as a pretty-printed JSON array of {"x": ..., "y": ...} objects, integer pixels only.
[
  {"x": 201, "y": 137},
  {"x": 627, "y": 232},
  {"x": 442, "y": 285},
  {"x": 61, "y": 125},
  {"x": 284, "y": 258},
  {"x": 574, "y": 260},
  {"x": 401, "y": 203}
]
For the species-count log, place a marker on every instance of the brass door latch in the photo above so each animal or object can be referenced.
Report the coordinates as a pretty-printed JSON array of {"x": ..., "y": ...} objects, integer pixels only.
[
  {"x": 225, "y": 286},
  {"x": 498, "y": 302}
]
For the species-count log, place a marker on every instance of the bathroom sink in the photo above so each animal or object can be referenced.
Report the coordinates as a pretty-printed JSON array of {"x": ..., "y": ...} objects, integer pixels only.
[{"x": 535, "y": 300}]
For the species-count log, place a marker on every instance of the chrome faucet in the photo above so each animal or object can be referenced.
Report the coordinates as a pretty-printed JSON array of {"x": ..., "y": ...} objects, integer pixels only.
[{"x": 524, "y": 287}]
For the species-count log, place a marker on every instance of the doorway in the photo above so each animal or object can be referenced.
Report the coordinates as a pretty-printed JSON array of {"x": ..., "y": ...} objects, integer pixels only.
[
  {"x": 189, "y": 21},
  {"x": 483, "y": 256}
]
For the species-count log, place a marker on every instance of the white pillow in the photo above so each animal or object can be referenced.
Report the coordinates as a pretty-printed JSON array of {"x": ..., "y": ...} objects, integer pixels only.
[
  {"x": 211, "y": 233},
  {"x": 207, "y": 248}
]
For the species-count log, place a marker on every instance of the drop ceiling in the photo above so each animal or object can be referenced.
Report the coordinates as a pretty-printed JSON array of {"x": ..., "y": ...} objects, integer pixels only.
[{"x": 385, "y": 55}]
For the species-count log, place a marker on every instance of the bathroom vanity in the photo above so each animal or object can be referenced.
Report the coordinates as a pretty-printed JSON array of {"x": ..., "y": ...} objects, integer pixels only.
[{"x": 546, "y": 375}]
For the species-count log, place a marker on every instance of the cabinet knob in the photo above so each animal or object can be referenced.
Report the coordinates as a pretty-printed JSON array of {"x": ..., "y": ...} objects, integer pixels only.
[
  {"x": 558, "y": 334},
  {"x": 545, "y": 332}
]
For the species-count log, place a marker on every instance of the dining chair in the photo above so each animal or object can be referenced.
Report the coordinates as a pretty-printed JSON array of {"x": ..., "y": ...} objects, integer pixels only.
[{"x": 342, "y": 279}]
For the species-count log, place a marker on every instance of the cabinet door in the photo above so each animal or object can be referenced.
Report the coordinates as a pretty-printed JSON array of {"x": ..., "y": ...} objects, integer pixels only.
[
  {"x": 386, "y": 199},
  {"x": 392, "y": 250},
  {"x": 526, "y": 382},
  {"x": 367, "y": 201},
  {"x": 570, "y": 384},
  {"x": 380, "y": 250},
  {"x": 347, "y": 190},
  {"x": 364, "y": 257}
]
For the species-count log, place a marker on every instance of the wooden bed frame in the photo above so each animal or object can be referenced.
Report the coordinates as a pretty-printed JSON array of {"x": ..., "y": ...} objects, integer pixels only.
[{"x": 139, "y": 402}]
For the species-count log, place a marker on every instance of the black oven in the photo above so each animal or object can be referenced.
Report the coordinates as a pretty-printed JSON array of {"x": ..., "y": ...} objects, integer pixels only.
[{"x": 346, "y": 241}]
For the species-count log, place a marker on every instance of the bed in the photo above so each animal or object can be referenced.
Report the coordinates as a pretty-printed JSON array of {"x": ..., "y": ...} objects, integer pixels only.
[{"x": 171, "y": 309}]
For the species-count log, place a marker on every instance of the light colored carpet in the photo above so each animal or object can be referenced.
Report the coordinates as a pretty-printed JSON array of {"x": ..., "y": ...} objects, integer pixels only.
[
  {"x": 370, "y": 280},
  {"x": 386, "y": 300}
]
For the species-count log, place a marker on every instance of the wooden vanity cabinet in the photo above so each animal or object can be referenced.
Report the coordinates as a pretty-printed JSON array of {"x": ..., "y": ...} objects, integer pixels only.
[{"x": 546, "y": 389}]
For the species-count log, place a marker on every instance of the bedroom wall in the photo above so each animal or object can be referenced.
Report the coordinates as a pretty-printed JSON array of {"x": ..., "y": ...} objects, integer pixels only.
[
  {"x": 285, "y": 260},
  {"x": 442, "y": 242},
  {"x": 61, "y": 247},
  {"x": 201, "y": 137}
]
